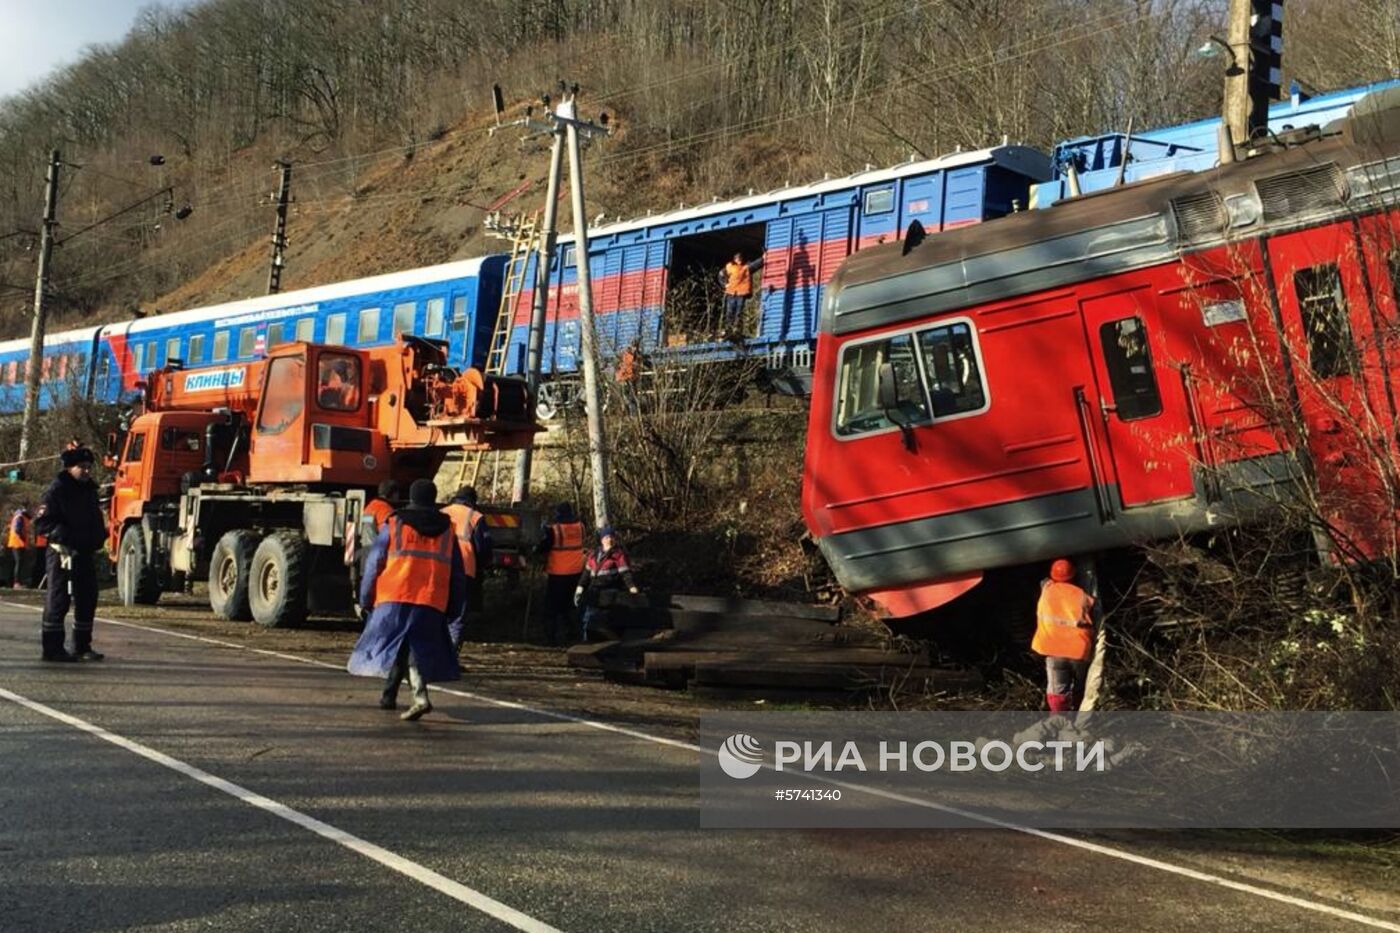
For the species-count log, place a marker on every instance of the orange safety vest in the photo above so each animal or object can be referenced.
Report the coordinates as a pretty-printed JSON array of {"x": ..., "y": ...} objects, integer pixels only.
[
  {"x": 565, "y": 550},
  {"x": 18, "y": 538},
  {"x": 378, "y": 510},
  {"x": 1063, "y": 627},
  {"x": 740, "y": 279},
  {"x": 464, "y": 520},
  {"x": 417, "y": 568}
]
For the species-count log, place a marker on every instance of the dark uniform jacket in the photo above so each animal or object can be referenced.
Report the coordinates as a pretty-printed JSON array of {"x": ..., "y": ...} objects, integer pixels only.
[{"x": 72, "y": 516}]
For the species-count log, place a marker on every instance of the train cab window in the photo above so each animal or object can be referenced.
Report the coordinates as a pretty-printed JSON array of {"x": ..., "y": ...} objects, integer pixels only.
[
  {"x": 437, "y": 321},
  {"x": 1324, "y": 310},
  {"x": 858, "y": 386},
  {"x": 950, "y": 365},
  {"x": 403, "y": 317},
  {"x": 306, "y": 329},
  {"x": 338, "y": 382},
  {"x": 1129, "y": 362},
  {"x": 274, "y": 334},
  {"x": 196, "y": 354},
  {"x": 135, "y": 447},
  {"x": 283, "y": 401},
  {"x": 220, "y": 346},
  {"x": 172, "y": 349},
  {"x": 879, "y": 201},
  {"x": 335, "y": 329},
  {"x": 368, "y": 331},
  {"x": 247, "y": 341}
]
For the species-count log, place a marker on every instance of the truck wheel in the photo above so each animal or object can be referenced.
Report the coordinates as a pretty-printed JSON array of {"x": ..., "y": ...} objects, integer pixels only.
[
  {"x": 229, "y": 567},
  {"x": 137, "y": 582},
  {"x": 280, "y": 580}
]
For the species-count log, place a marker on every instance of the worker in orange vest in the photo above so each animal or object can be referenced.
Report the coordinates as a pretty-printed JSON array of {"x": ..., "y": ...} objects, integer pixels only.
[
  {"x": 19, "y": 540},
  {"x": 474, "y": 541},
  {"x": 414, "y": 585},
  {"x": 562, "y": 545},
  {"x": 41, "y": 547},
  {"x": 377, "y": 510},
  {"x": 737, "y": 279},
  {"x": 1064, "y": 633}
]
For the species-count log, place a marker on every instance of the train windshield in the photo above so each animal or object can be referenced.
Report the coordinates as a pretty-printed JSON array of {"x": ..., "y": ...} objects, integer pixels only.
[{"x": 858, "y": 408}]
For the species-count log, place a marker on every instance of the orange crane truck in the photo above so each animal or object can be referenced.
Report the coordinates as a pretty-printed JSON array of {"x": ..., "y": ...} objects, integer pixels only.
[{"x": 256, "y": 473}]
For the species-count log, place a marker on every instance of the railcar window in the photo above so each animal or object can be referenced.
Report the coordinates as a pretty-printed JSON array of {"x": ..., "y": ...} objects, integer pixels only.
[
  {"x": 570, "y": 257},
  {"x": 11, "y": 371},
  {"x": 879, "y": 201},
  {"x": 247, "y": 341},
  {"x": 306, "y": 329},
  {"x": 1130, "y": 375},
  {"x": 172, "y": 349},
  {"x": 335, "y": 329},
  {"x": 459, "y": 308},
  {"x": 403, "y": 317},
  {"x": 138, "y": 359},
  {"x": 196, "y": 354},
  {"x": 369, "y": 326},
  {"x": 950, "y": 364},
  {"x": 1324, "y": 311},
  {"x": 104, "y": 372},
  {"x": 286, "y": 390},
  {"x": 62, "y": 365},
  {"x": 220, "y": 346},
  {"x": 437, "y": 313},
  {"x": 152, "y": 355},
  {"x": 1393, "y": 260},
  {"x": 858, "y": 386},
  {"x": 274, "y": 334}
]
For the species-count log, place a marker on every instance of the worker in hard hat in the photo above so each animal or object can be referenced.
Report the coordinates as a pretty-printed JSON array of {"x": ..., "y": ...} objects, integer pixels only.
[
  {"x": 1064, "y": 636},
  {"x": 414, "y": 584}
]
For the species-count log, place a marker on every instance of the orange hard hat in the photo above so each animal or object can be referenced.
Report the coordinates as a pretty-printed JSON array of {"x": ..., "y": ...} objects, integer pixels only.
[{"x": 1062, "y": 571}]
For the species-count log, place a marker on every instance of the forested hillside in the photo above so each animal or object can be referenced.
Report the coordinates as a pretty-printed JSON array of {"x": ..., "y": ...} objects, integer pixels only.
[{"x": 383, "y": 107}]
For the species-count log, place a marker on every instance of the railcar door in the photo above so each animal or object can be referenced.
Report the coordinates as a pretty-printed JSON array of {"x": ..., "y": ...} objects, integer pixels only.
[
  {"x": 1144, "y": 422},
  {"x": 1346, "y": 406}
]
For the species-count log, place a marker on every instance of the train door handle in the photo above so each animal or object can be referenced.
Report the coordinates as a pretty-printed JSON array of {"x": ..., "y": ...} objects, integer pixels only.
[{"x": 1107, "y": 408}]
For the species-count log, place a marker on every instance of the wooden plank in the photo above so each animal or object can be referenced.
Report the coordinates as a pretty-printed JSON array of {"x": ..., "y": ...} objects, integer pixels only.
[{"x": 719, "y": 605}]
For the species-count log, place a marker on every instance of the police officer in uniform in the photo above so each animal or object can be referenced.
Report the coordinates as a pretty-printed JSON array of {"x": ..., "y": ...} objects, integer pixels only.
[{"x": 72, "y": 522}]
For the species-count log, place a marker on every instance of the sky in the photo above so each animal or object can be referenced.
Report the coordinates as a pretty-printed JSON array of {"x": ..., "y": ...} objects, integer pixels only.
[{"x": 38, "y": 36}]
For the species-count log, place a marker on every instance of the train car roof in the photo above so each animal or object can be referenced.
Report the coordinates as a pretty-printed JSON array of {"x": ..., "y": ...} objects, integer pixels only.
[
  {"x": 77, "y": 335},
  {"x": 1120, "y": 228},
  {"x": 293, "y": 300},
  {"x": 1023, "y": 159}
]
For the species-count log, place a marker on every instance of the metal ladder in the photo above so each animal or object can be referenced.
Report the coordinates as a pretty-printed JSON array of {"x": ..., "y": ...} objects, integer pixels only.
[{"x": 521, "y": 230}]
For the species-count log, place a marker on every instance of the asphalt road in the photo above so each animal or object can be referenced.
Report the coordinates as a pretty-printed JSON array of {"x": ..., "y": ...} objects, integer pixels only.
[{"x": 281, "y": 798}]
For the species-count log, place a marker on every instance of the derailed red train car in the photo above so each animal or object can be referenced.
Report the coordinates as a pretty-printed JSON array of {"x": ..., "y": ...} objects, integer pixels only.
[{"x": 1152, "y": 360}]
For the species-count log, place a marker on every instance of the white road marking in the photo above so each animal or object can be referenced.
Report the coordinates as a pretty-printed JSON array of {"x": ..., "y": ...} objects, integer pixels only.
[
  {"x": 420, "y": 873},
  {"x": 1083, "y": 844}
]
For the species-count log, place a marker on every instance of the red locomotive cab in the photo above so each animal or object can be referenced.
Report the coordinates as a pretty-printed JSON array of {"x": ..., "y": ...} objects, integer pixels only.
[{"x": 1133, "y": 365}]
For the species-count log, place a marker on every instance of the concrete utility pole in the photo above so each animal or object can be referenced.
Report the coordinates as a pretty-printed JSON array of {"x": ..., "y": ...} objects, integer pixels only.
[
  {"x": 567, "y": 113},
  {"x": 34, "y": 367},
  {"x": 534, "y": 347},
  {"x": 1253, "y": 79},
  {"x": 279, "y": 235},
  {"x": 565, "y": 127}
]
